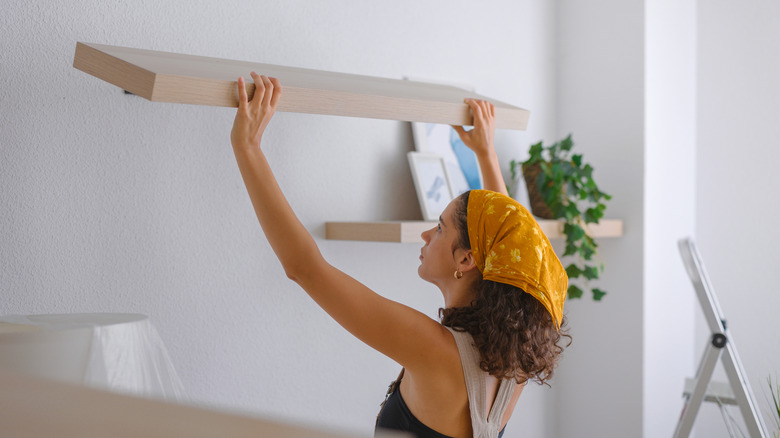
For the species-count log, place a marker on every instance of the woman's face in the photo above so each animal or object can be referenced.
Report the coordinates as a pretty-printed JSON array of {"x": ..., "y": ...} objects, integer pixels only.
[{"x": 437, "y": 257}]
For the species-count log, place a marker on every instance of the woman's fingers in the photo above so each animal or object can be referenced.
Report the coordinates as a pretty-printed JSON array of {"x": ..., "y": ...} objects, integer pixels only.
[
  {"x": 269, "y": 91},
  {"x": 487, "y": 108},
  {"x": 277, "y": 92},
  {"x": 459, "y": 129},
  {"x": 479, "y": 139},
  {"x": 476, "y": 110},
  {"x": 254, "y": 115},
  {"x": 241, "y": 92},
  {"x": 259, "y": 89},
  {"x": 484, "y": 112},
  {"x": 484, "y": 106}
]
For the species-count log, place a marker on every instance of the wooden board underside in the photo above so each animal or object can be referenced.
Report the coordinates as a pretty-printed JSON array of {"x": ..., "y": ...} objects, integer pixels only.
[
  {"x": 178, "y": 78},
  {"x": 409, "y": 231},
  {"x": 403, "y": 232}
]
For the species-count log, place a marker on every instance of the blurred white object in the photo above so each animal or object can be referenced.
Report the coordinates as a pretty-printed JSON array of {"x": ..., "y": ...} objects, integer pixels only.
[
  {"x": 38, "y": 408},
  {"x": 112, "y": 351}
]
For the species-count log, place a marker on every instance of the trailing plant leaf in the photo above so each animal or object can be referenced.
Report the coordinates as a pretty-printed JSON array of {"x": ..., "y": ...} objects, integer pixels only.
[
  {"x": 570, "y": 212},
  {"x": 593, "y": 214},
  {"x": 567, "y": 143},
  {"x": 536, "y": 152},
  {"x": 574, "y": 291},
  {"x": 591, "y": 272},
  {"x": 573, "y": 271},
  {"x": 573, "y": 232},
  {"x": 598, "y": 294},
  {"x": 571, "y": 249}
]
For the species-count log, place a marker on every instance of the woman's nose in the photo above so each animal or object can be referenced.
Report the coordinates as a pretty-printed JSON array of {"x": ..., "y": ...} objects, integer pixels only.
[{"x": 425, "y": 235}]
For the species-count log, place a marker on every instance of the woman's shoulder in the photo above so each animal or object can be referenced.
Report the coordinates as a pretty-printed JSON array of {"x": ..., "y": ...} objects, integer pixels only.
[{"x": 446, "y": 359}]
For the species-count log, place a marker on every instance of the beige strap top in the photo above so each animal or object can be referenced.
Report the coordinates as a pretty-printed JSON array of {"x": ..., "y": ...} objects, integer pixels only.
[{"x": 483, "y": 425}]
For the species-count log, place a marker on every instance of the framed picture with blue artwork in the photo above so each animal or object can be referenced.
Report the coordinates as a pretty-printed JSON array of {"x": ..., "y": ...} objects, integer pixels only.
[
  {"x": 429, "y": 172},
  {"x": 461, "y": 162}
]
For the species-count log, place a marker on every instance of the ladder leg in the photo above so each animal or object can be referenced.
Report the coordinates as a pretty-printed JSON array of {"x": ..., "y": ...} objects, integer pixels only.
[
  {"x": 693, "y": 402},
  {"x": 727, "y": 421},
  {"x": 742, "y": 392}
]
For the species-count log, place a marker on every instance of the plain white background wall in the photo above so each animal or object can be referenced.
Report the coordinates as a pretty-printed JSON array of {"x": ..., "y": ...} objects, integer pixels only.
[
  {"x": 627, "y": 91},
  {"x": 113, "y": 203},
  {"x": 739, "y": 110},
  {"x": 669, "y": 191},
  {"x": 600, "y": 100}
]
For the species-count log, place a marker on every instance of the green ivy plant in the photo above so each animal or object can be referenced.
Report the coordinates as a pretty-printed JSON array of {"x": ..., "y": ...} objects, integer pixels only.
[{"x": 561, "y": 186}]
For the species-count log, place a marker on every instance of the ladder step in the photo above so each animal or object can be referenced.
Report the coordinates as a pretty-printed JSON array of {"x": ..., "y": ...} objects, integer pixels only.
[{"x": 716, "y": 391}]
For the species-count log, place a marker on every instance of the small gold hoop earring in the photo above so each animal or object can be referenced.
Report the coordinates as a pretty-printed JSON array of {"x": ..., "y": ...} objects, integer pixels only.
[{"x": 458, "y": 275}]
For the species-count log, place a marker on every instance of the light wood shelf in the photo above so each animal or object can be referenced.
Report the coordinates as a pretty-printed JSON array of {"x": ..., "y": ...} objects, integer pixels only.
[
  {"x": 34, "y": 407},
  {"x": 391, "y": 231},
  {"x": 409, "y": 231},
  {"x": 172, "y": 77}
]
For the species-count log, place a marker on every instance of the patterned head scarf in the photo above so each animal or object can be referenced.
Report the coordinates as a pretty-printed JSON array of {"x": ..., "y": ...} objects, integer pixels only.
[{"x": 509, "y": 247}]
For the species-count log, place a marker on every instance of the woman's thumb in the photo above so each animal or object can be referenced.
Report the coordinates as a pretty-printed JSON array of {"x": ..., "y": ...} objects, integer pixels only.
[{"x": 459, "y": 129}]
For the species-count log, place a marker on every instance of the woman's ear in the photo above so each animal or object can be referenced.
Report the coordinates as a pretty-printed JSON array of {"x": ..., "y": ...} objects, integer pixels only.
[{"x": 465, "y": 260}]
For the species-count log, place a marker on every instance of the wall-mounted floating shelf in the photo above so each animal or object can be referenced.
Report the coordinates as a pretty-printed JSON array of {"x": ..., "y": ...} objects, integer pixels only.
[
  {"x": 409, "y": 231},
  {"x": 178, "y": 78}
]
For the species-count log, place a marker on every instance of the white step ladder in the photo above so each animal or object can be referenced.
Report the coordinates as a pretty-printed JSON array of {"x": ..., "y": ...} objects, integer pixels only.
[{"x": 737, "y": 390}]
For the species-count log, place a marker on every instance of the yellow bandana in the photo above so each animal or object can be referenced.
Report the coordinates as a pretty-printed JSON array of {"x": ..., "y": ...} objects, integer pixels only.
[{"x": 509, "y": 247}]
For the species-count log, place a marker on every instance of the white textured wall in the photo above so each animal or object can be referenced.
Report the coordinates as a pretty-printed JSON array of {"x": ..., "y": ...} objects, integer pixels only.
[
  {"x": 626, "y": 91},
  {"x": 113, "y": 203},
  {"x": 737, "y": 180},
  {"x": 669, "y": 197},
  {"x": 601, "y": 101}
]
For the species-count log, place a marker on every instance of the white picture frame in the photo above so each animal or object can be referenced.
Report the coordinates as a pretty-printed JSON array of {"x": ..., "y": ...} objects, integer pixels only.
[
  {"x": 462, "y": 166},
  {"x": 429, "y": 172}
]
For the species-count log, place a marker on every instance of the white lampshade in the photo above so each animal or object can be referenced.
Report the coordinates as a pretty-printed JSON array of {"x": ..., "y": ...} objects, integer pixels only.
[{"x": 113, "y": 351}]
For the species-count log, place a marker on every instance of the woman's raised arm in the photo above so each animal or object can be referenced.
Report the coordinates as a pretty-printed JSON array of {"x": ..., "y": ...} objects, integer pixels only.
[
  {"x": 480, "y": 140},
  {"x": 400, "y": 332},
  {"x": 287, "y": 236}
]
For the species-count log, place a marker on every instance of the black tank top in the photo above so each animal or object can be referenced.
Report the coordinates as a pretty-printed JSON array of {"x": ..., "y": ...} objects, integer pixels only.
[{"x": 395, "y": 415}]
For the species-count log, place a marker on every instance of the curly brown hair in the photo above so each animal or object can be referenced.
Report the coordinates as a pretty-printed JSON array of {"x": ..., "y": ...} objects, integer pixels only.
[{"x": 515, "y": 335}]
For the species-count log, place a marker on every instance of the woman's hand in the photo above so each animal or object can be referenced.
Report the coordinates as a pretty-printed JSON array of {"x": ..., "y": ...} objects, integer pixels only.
[
  {"x": 253, "y": 115},
  {"x": 479, "y": 139}
]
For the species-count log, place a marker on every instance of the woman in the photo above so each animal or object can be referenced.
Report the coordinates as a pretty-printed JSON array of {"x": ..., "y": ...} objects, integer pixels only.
[{"x": 502, "y": 284}]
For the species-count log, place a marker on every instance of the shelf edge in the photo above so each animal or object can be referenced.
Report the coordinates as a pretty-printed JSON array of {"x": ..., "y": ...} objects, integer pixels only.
[
  {"x": 130, "y": 70},
  {"x": 409, "y": 231},
  {"x": 113, "y": 70}
]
